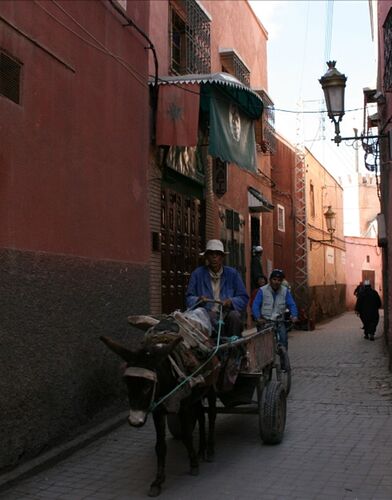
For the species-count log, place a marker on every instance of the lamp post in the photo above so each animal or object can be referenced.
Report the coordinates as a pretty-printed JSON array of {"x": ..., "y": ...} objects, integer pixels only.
[
  {"x": 330, "y": 219},
  {"x": 333, "y": 84}
]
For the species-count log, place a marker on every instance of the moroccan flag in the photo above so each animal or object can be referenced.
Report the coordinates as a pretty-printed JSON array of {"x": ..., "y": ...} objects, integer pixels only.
[
  {"x": 178, "y": 115},
  {"x": 232, "y": 135}
]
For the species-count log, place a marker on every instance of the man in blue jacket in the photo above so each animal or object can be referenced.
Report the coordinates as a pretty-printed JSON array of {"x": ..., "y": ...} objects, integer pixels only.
[
  {"x": 271, "y": 302},
  {"x": 214, "y": 281}
]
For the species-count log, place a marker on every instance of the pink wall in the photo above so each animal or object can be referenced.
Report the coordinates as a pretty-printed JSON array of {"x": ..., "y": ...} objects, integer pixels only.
[
  {"x": 362, "y": 254},
  {"x": 73, "y": 161}
]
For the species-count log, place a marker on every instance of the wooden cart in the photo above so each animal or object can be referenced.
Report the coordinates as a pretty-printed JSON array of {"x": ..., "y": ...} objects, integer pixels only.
[{"x": 261, "y": 385}]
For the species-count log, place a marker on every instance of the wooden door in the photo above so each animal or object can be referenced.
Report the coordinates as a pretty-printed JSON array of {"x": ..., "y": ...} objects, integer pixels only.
[
  {"x": 181, "y": 245},
  {"x": 368, "y": 274}
]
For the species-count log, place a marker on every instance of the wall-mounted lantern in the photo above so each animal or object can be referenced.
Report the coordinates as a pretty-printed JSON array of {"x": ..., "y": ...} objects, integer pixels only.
[{"x": 330, "y": 220}]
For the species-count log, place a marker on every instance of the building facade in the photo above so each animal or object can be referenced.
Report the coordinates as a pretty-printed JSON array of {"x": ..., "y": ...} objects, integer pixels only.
[
  {"x": 326, "y": 250},
  {"x": 283, "y": 199},
  {"x": 74, "y": 232},
  {"x": 196, "y": 191},
  {"x": 363, "y": 256},
  {"x": 384, "y": 87}
]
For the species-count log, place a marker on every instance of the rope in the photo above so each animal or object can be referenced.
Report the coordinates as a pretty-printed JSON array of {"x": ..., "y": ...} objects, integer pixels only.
[{"x": 214, "y": 351}]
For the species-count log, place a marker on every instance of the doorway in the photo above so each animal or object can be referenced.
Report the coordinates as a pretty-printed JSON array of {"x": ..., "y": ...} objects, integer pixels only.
[{"x": 181, "y": 243}]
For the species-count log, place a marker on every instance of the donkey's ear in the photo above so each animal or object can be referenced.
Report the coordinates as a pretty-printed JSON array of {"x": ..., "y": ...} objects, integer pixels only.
[{"x": 124, "y": 353}]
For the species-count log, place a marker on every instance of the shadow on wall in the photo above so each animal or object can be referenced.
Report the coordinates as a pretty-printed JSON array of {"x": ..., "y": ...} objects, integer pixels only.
[{"x": 327, "y": 301}]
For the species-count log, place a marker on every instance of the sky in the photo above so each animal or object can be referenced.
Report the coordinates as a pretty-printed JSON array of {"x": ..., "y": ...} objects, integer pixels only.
[{"x": 302, "y": 36}]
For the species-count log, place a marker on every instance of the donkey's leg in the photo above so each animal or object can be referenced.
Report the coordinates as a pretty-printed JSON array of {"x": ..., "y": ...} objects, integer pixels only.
[
  {"x": 160, "y": 450},
  {"x": 187, "y": 418},
  {"x": 202, "y": 430},
  {"x": 211, "y": 425}
]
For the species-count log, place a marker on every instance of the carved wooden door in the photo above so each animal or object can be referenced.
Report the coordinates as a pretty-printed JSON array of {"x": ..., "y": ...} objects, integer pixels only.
[{"x": 181, "y": 245}]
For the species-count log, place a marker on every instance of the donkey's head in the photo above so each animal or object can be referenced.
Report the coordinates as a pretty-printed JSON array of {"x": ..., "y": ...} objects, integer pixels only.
[{"x": 140, "y": 375}]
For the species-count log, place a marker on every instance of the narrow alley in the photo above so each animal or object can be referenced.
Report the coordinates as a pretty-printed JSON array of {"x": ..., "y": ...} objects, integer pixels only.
[{"x": 337, "y": 445}]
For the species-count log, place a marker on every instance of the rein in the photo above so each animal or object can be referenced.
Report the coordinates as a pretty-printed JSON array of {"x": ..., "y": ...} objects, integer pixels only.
[{"x": 220, "y": 323}]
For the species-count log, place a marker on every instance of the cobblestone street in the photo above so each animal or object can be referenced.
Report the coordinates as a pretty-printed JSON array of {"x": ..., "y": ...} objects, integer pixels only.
[{"x": 337, "y": 445}]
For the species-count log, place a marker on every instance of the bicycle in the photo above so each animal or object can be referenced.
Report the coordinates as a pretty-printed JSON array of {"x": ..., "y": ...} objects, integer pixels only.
[{"x": 282, "y": 361}]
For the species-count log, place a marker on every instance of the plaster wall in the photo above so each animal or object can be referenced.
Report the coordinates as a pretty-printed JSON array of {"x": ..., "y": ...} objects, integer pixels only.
[
  {"x": 283, "y": 192},
  {"x": 351, "y": 204},
  {"x": 233, "y": 25},
  {"x": 385, "y": 111},
  {"x": 74, "y": 238},
  {"x": 362, "y": 254},
  {"x": 74, "y": 151},
  {"x": 369, "y": 203},
  {"x": 326, "y": 261}
]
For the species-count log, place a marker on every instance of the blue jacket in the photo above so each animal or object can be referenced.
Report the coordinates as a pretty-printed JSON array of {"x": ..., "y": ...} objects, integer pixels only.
[
  {"x": 232, "y": 287},
  {"x": 258, "y": 303}
]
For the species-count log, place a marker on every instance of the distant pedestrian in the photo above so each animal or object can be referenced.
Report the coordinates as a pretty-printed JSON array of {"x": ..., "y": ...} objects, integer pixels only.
[
  {"x": 261, "y": 281},
  {"x": 367, "y": 306},
  {"x": 256, "y": 267},
  {"x": 359, "y": 289}
]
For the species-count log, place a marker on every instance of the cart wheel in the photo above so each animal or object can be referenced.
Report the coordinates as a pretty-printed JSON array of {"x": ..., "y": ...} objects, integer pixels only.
[
  {"x": 284, "y": 369},
  {"x": 272, "y": 413},
  {"x": 174, "y": 425}
]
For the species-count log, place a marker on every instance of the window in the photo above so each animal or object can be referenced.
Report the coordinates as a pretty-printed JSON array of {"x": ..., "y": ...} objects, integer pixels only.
[
  {"x": 281, "y": 221},
  {"x": 265, "y": 126},
  {"x": 10, "y": 77},
  {"x": 190, "y": 51},
  {"x": 233, "y": 64},
  {"x": 312, "y": 209}
]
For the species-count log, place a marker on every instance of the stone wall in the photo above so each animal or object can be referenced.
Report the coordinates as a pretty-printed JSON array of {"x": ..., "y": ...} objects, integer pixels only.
[
  {"x": 56, "y": 376},
  {"x": 326, "y": 301}
]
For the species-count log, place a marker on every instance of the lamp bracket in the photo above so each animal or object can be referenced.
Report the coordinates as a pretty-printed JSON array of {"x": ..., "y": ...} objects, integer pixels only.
[{"x": 338, "y": 139}]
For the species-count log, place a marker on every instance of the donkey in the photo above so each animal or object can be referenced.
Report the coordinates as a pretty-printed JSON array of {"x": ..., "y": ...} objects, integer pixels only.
[{"x": 149, "y": 377}]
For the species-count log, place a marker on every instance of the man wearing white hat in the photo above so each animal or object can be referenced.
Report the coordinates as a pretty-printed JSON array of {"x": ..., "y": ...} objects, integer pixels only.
[
  {"x": 256, "y": 267},
  {"x": 214, "y": 281}
]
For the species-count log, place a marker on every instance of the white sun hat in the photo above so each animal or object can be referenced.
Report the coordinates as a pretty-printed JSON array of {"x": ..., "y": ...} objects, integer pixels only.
[{"x": 214, "y": 246}]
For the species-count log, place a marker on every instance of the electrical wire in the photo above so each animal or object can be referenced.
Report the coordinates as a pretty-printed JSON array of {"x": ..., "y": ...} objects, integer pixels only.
[{"x": 97, "y": 45}]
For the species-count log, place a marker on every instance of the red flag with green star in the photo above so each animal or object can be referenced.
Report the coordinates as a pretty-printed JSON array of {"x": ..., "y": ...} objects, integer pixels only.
[{"x": 178, "y": 115}]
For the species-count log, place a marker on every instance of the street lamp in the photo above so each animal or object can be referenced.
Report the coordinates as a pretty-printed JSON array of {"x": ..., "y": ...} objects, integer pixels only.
[
  {"x": 330, "y": 219},
  {"x": 333, "y": 84}
]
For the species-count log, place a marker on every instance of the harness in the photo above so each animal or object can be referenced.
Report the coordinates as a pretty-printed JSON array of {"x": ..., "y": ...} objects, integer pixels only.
[{"x": 152, "y": 376}]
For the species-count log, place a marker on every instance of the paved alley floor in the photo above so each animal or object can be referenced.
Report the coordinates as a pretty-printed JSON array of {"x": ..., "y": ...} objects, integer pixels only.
[{"x": 337, "y": 444}]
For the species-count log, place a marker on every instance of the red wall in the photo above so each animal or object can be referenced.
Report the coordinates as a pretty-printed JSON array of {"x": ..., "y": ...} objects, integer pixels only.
[
  {"x": 283, "y": 165},
  {"x": 73, "y": 159}
]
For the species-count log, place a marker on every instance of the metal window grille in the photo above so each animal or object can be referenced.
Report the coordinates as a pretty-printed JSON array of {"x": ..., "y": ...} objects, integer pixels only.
[
  {"x": 190, "y": 39},
  {"x": 388, "y": 52},
  {"x": 232, "y": 64},
  {"x": 10, "y": 78},
  {"x": 265, "y": 126}
]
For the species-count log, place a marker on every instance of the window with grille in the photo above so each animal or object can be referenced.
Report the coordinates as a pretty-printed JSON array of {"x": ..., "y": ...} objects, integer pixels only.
[
  {"x": 265, "y": 126},
  {"x": 190, "y": 50},
  {"x": 10, "y": 77},
  {"x": 232, "y": 64},
  {"x": 281, "y": 223},
  {"x": 388, "y": 52}
]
